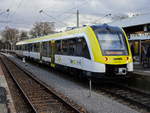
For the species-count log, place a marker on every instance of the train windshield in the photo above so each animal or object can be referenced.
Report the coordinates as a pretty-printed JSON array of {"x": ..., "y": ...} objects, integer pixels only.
[{"x": 112, "y": 42}]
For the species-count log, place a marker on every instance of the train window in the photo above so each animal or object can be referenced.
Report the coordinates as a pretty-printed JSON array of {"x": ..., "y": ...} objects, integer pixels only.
[
  {"x": 35, "y": 48},
  {"x": 49, "y": 49},
  {"x": 82, "y": 48},
  {"x": 25, "y": 47},
  {"x": 22, "y": 47},
  {"x": 19, "y": 47},
  {"x": 71, "y": 46},
  {"x": 32, "y": 47},
  {"x": 85, "y": 50},
  {"x": 64, "y": 49},
  {"x": 112, "y": 42},
  {"x": 16, "y": 47},
  {"x": 79, "y": 47},
  {"x": 58, "y": 47},
  {"x": 44, "y": 49},
  {"x": 29, "y": 47}
]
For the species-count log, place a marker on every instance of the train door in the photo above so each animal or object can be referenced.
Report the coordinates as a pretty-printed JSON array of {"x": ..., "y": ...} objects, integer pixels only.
[
  {"x": 41, "y": 51},
  {"x": 53, "y": 45}
]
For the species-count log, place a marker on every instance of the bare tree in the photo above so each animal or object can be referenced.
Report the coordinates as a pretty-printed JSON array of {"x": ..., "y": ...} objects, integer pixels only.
[
  {"x": 41, "y": 29},
  {"x": 10, "y": 37},
  {"x": 23, "y": 35}
]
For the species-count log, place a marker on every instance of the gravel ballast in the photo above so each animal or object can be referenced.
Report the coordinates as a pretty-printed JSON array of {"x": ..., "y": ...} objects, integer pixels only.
[{"x": 97, "y": 103}]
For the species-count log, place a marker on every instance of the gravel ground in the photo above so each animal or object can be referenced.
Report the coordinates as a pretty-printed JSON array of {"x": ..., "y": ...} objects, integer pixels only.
[{"x": 97, "y": 103}]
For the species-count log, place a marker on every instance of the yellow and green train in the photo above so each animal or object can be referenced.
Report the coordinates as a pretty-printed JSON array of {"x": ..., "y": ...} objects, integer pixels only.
[{"x": 97, "y": 50}]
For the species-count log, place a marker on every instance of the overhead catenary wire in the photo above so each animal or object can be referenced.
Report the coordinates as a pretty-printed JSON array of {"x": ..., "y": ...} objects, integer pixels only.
[
  {"x": 8, "y": 11},
  {"x": 17, "y": 7},
  {"x": 62, "y": 14},
  {"x": 68, "y": 10},
  {"x": 75, "y": 8},
  {"x": 60, "y": 18},
  {"x": 6, "y": 20},
  {"x": 41, "y": 11},
  {"x": 1, "y": 12}
]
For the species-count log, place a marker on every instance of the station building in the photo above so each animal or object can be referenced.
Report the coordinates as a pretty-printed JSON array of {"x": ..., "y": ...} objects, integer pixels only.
[{"x": 137, "y": 29}]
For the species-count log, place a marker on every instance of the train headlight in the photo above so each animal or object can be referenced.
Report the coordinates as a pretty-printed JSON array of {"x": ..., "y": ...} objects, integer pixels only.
[
  {"x": 127, "y": 58},
  {"x": 106, "y": 59}
]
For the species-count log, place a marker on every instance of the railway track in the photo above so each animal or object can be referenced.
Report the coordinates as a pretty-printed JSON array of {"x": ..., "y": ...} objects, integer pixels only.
[
  {"x": 41, "y": 98},
  {"x": 130, "y": 95},
  {"x": 21, "y": 105}
]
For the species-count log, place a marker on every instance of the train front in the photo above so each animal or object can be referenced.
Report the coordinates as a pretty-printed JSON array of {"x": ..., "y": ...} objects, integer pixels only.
[{"x": 114, "y": 49}]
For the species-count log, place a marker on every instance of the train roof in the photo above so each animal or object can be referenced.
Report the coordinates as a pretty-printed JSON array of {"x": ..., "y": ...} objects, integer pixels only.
[
  {"x": 70, "y": 33},
  {"x": 133, "y": 21},
  {"x": 55, "y": 36},
  {"x": 105, "y": 26}
]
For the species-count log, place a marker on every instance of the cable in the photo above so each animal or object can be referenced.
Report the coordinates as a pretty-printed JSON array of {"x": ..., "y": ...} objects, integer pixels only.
[
  {"x": 2, "y": 13},
  {"x": 60, "y": 15},
  {"x": 41, "y": 11},
  {"x": 86, "y": 1},
  {"x": 18, "y": 6},
  {"x": 4, "y": 22}
]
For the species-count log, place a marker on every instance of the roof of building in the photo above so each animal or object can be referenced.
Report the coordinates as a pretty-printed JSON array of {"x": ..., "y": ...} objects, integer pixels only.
[
  {"x": 134, "y": 21},
  {"x": 140, "y": 37}
]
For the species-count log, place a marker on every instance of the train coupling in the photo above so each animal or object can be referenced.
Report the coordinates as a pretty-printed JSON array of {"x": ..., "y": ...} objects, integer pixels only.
[{"x": 121, "y": 71}]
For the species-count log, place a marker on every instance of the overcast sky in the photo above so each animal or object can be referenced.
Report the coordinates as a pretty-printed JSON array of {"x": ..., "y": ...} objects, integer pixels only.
[{"x": 22, "y": 14}]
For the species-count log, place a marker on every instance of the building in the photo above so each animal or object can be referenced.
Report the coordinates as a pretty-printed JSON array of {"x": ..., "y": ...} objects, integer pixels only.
[{"x": 137, "y": 29}]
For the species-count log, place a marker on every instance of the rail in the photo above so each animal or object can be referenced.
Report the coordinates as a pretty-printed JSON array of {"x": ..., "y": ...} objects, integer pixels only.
[{"x": 41, "y": 97}]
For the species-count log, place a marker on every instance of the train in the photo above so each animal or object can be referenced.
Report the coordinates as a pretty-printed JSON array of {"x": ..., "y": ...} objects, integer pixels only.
[{"x": 100, "y": 51}]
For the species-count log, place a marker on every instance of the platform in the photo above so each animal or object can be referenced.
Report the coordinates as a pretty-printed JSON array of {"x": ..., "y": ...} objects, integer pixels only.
[
  {"x": 139, "y": 69},
  {"x": 6, "y": 102}
]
